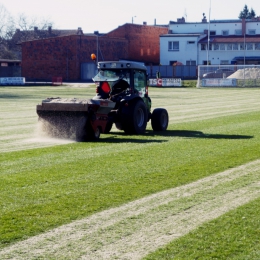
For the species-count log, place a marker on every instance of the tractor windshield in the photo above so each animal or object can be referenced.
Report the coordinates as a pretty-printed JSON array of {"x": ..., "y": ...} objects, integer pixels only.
[{"x": 110, "y": 75}]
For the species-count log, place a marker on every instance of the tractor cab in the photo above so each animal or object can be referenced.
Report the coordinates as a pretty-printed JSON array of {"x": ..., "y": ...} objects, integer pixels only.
[{"x": 116, "y": 80}]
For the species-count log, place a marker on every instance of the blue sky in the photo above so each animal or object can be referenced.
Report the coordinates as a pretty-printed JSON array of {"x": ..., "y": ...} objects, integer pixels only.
[{"x": 106, "y": 15}]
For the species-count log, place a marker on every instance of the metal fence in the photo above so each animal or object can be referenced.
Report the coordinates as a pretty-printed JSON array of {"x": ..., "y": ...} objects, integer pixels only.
[
  {"x": 12, "y": 71},
  {"x": 179, "y": 71},
  {"x": 89, "y": 70},
  {"x": 228, "y": 76}
]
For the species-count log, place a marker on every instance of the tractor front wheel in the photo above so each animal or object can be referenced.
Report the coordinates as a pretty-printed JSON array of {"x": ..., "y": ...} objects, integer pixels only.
[{"x": 160, "y": 119}]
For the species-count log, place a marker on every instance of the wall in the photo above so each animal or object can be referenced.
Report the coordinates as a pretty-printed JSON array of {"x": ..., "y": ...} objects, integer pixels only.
[
  {"x": 143, "y": 41},
  {"x": 187, "y": 52},
  {"x": 217, "y": 26},
  {"x": 62, "y": 56},
  {"x": 183, "y": 31}
]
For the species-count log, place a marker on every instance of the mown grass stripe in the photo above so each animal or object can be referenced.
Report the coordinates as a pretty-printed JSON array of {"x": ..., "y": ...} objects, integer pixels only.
[{"x": 137, "y": 228}]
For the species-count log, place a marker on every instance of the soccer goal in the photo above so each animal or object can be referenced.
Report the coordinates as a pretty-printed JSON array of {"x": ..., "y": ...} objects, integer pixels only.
[{"x": 228, "y": 76}]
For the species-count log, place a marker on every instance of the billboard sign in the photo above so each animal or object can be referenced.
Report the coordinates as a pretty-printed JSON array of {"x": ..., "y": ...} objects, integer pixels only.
[
  {"x": 165, "y": 82},
  {"x": 219, "y": 82}
]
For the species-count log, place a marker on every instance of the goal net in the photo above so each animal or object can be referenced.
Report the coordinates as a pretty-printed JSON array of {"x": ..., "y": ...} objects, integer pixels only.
[{"x": 228, "y": 76}]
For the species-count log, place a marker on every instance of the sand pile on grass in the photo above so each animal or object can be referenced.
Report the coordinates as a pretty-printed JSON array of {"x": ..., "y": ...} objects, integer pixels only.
[{"x": 247, "y": 73}]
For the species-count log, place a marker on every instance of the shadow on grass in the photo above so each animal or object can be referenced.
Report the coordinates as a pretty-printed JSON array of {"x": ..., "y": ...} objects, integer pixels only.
[
  {"x": 123, "y": 138},
  {"x": 9, "y": 96},
  {"x": 116, "y": 138},
  {"x": 199, "y": 134}
]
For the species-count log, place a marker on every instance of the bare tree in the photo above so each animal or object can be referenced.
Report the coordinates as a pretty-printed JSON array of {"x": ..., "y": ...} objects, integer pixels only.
[
  {"x": 22, "y": 28},
  {"x": 26, "y": 23},
  {"x": 7, "y": 23},
  {"x": 6, "y": 33}
]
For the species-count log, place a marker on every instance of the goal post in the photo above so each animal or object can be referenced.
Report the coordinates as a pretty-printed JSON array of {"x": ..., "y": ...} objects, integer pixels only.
[{"x": 228, "y": 76}]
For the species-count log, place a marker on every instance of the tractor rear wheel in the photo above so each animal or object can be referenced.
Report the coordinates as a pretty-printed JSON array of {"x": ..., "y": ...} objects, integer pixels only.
[{"x": 134, "y": 119}]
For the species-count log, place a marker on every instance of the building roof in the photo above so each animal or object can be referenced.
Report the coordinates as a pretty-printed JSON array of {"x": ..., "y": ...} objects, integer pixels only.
[
  {"x": 203, "y": 21},
  {"x": 9, "y": 60},
  {"x": 181, "y": 35},
  {"x": 36, "y": 34},
  {"x": 245, "y": 58},
  {"x": 231, "y": 39}
]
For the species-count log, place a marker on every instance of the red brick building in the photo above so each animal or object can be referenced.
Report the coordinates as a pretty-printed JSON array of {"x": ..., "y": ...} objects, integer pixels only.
[
  {"x": 64, "y": 55},
  {"x": 143, "y": 41}
]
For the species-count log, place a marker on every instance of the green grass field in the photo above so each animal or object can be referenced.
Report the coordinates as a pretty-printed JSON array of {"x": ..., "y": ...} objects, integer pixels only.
[{"x": 48, "y": 183}]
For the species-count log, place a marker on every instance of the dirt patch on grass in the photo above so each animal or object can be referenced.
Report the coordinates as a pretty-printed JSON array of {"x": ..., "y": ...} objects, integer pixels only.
[{"x": 142, "y": 226}]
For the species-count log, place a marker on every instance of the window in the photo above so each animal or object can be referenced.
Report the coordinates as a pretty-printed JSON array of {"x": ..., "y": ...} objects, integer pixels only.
[
  {"x": 241, "y": 46},
  {"x": 219, "y": 46},
  {"x": 238, "y": 32},
  {"x": 224, "y": 62},
  {"x": 251, "y": 32},
  {"x": 229, "y": 46},
  {"x": 191, "y": 42},
  {"x": 225, "y": 32},
  {"x": 257, "y": 46},
  {"x": 212, "y": 33},
  {"x": 172, "y": 62},
  {"x": 235, "y": 46},
  {"x": 222, "y": 46},
  {"x": 190, "y": 62},
  {"x": 206, "y": 62},
  {"x": 140, "y": 82},
  {"x": 173, "y": 46},
  {"x": 249, "y": 46},
  {"x": 203, "y": 46}
]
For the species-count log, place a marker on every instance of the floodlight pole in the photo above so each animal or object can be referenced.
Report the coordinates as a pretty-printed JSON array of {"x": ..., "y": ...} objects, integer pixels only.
[
  {"x": 97, "y": 33},
  {"x": 244, "y": 55},
  {"x": 208, "y": 33},
  {"x": 244, "y": 49}
]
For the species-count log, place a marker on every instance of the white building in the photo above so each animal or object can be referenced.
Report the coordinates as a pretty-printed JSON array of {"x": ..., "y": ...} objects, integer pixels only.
[{"x": 229, "y": 42}]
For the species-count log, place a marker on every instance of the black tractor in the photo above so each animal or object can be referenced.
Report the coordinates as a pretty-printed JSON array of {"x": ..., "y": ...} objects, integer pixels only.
[{"x": 121, "y": 99}]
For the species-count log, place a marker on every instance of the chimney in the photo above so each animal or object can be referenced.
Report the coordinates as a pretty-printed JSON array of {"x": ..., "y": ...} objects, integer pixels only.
[
  {"x": 79, "y": 32},
  {"x": 144, "y": 23},
  {"x": 49, "y": 29},
  {"x": 181, "y": 20},
  {"x": 204, "y": 20},
  {"x": 35, "y": 28},
  {"x": 154, "y": 21}
]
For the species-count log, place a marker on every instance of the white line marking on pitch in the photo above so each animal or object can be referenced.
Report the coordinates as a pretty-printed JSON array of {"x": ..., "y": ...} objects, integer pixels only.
[{"x": 135, "y": 229}]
